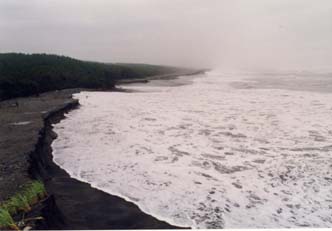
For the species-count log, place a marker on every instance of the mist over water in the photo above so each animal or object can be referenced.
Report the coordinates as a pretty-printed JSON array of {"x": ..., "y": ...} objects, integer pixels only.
[
  {"x": 222, "y": 150},
  {"x": 228, "y": 149},
  {"x": 255, "y": 34}
]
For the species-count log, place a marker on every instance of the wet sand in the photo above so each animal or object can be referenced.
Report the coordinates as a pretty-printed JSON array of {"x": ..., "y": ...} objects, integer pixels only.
[
  {"x": 25, "y": 138},
  {"x": 78, "y": 205},
  {"x": 25, "y": 154},
  {"x": 21, "y": 120}
]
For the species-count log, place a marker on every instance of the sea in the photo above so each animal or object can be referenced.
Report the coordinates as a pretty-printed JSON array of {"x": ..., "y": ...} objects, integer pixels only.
[{"x": 223, "y": 149}]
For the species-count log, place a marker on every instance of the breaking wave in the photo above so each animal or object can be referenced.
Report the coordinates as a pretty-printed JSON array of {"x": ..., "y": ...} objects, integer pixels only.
[{"x": 225, "y": 151}]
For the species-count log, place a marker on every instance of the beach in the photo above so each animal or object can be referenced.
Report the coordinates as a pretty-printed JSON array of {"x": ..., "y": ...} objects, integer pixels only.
[
  {"x": 25, "y": 155},
  {"x": 142, "y": 157},
  {"x": 223, "y": 150}
]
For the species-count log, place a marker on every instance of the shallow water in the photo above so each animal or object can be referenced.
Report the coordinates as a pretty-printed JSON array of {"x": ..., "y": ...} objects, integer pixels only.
[{"x": 210, "y": 154}]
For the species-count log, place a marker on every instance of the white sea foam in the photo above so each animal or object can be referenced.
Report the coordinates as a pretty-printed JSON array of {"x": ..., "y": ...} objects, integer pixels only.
[{"x": 207, "y": 155}]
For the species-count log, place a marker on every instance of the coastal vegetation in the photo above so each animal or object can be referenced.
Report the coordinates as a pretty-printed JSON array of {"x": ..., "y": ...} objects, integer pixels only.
[
  {"x": 32, "y": 74},
  {"x": 21, "y": 202},
  {"x": 6, "y": 220}
]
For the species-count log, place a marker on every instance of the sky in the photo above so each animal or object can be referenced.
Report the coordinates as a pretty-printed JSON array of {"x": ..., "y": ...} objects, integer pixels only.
[{"x": 252, "y": 34}]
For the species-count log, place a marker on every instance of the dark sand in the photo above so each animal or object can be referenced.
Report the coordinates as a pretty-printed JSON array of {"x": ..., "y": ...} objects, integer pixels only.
[
  {"x": 78, "y": 205},
  {"x": 21, "y": 120},
  {"x": 25, "y": 154}
]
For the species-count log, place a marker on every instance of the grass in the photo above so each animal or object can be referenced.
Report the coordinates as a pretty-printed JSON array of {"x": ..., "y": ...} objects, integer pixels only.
[
  {"x": 6, "y": 220},
  {"x": 21, "y": 203},
  {"x": 34, "y": 192}
]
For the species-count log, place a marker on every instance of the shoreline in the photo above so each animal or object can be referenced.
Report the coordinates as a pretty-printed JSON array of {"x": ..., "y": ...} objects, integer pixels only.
[
  {"x": 161, "y": 77},
  {"x": 71, "y": 204},
  {"x": 75, "y": 204}
]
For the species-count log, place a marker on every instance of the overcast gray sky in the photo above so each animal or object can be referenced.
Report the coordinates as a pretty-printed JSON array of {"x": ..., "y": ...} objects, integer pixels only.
[{"x": 277, "y": 34}]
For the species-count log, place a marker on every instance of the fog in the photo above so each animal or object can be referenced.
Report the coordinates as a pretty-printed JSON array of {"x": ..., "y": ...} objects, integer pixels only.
[{"x": 255, "y": 34}]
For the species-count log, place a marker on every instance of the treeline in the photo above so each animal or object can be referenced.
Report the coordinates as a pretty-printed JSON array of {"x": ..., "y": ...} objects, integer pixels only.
[{"x": 24, "y": 75}]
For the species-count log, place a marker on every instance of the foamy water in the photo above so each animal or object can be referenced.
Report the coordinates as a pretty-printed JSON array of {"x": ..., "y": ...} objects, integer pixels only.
[{"x": 207, "y": 154}]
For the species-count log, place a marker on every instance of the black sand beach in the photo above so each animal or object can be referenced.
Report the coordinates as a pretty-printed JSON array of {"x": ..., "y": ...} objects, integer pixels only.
[
  {"x": 25, "y": 154},
  {"x": 78, "y": 205}
]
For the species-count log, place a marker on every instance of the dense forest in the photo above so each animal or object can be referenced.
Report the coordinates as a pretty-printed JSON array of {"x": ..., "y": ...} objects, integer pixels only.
[{"x": 25, "y": 74}]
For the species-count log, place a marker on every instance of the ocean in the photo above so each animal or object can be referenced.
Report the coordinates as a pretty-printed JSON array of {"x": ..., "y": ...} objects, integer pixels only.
[{"x": 216, "y": 150}]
